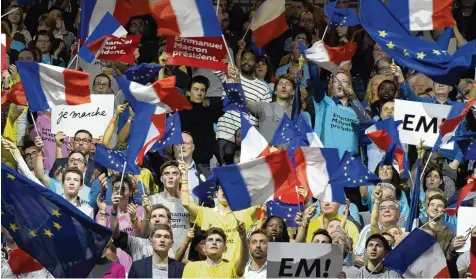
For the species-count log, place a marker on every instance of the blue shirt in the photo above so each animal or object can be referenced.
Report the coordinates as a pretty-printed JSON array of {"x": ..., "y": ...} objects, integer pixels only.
[{"x": 335, "y": 123}]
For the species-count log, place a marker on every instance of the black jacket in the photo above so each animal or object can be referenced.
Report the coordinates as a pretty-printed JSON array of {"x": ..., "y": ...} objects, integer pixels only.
[{"x": 143, "y": 268}]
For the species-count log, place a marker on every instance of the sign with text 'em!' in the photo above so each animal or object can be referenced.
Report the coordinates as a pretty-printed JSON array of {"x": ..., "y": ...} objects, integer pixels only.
[
  {"x": 94, "y": 116},
  {"x": 304, "y": 260},
  {"x": 421, "y": 121}
]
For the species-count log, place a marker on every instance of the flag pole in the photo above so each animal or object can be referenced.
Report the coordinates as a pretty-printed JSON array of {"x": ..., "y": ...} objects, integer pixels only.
[
  {"x": 10, "y": 11},
  {"x": 198, "y": 213},
  {"x": 218, "y": 5},
  {"x": 297, "y": 194},
  {"x": 227, "y": 50},
  {"x": 122, "y": 176},
  {"x": 442, "y": 212},
  {"x": 71, "y": 62}
]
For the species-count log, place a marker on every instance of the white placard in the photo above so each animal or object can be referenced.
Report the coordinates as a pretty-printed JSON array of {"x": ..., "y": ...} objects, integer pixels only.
[
  {"x": 304, "y": 260},
  {"x": 421, "y": 121},
  {"x": 94, "y": 116},
  {"x": 466, "y": 222}
]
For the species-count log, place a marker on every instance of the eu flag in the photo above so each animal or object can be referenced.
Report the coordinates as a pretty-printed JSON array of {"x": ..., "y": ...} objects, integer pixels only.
[
  {"x": 340, "y": 16},
  {"x": 172, "y": 135},
  {"x": 352, "y": 173},
  {"x": 467, "y": 144},
  {"x": 205, "y": 191},
  {"x": 412, "y": 52},
  {"x": 114, "y": 160},
  {"x": 143, "y": 73},
  {"x": 235, "y": 98},
  {"x": 288, "y": 133},
  {"x": 283, "y": 210},
  {"x": 49, "y": 228}
]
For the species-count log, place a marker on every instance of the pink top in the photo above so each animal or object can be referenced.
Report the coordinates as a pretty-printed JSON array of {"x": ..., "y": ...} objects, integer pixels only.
[
  {"x": 43, "y": 123},
  {"x": 125, "y": 225},
  {"x": 115, "y": 271}
]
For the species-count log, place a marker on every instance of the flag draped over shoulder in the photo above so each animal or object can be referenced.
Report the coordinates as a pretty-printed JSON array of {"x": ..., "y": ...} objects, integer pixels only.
[{"x": 50, "y": 229}]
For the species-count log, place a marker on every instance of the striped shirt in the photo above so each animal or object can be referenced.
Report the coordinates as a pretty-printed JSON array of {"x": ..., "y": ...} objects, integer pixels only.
[{"x": 255, "y": 90}]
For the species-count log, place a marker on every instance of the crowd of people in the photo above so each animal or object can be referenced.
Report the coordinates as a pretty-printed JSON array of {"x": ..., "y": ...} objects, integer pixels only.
[{"x": 160, "y": 228}]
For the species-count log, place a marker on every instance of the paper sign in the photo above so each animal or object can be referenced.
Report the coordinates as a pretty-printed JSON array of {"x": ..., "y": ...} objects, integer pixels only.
[
  {"x": 203, "y": 52},
  {"x": 304, "y": 260},
  {"x": 466, "y": 222},
  {"x": 421, "y": 121},
  {"x": 120, "y": 49},
  {"x": 94, "y": 116}
]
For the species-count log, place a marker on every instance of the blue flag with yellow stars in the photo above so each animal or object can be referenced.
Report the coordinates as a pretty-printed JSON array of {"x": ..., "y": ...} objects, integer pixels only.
[
  {"x": 114, "y": 160},
  {"x": 49, "y": 228},
  {"x": 412, "y": 52},
  {"x": 172, "y": 135},
  {"x": 288, "y": 133},
  {"x": 467, "y": 144},
  {"x": 340, "y": 16},
  {"x": 205, "y": 191},
  {"x": 283, "y": 210},
  {"x": 352, "y": 173},
  {"x": 143, "y": 73},
  {"x": 235, "y": 98}
]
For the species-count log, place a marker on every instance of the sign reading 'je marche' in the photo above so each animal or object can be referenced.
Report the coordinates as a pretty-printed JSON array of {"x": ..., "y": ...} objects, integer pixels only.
[
  {"x": 94, "y": 116},
  {"x": 203, "y": 52}
]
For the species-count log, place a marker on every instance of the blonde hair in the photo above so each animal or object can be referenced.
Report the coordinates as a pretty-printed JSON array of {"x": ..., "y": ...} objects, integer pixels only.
[
  {"x": 369, "y": 97},
  {"x": 21, "y": 24}
]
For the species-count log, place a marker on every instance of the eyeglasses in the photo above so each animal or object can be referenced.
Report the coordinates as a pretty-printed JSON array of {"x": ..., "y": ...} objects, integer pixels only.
[
  {"x": 78, "y": 140},
  {"x": 31, "y": 155},
  {"x": 390, "y": 208},
  {"x": 73, "y": 160}
]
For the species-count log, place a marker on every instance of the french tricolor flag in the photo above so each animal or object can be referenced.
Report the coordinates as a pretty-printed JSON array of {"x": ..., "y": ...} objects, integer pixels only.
[
  {"x": 384, "y": 134},
  {"x": 331, "y": 58},
  {"x": 269, "y": 22},
  {"x": 46, "y": 86},
  {"x": 418, "y": 256},
  {"x": 161, "y": 93},
  {"x": 93, "y": 12},
  {"x": 255, "y": 182},
  {"x": 253, "y": 144},
  {"x": 314, "y": 168},
  {"x": 186, "y": 18},
  {"x": 420, "y": 15},
  {"x": 107, "y": 26},
  {"x": 305, "y": 127}
]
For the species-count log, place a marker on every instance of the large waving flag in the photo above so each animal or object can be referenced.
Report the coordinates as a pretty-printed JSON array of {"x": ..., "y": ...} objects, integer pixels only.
[
  {"x": 340, "y": 16},
  {"x": 314, "y": 169},
  {"x": 414, "y": 215},
  {"x": 288, "y": 133},
  {"x": 417, "y": 15},
  {"x": 94, "y": 11},
  {"x": 412, "y": 52},
  {"x": 186, "y": 18},
  {"x": 283, "y": 210},
  {"x": 253, "y": 144},
  {"x": 448, "y": 127},
  {"x": 235, "y": 98},
  {"x": 269, "y": 22},
  {"x": 107, "y": 26},
  {"x": 384, "y": 134},
  {"x": 161, "y": 93},
  {"x": 418, "y": 256},
  {"x": 114, "y": 160},
  {"x": 172, "y": 135},
  {"x": 254, "y": 182},
  {"x": 331, "y": 58},
  {"x": 352, "y": 172},
  {"x": 47, "y": 85},
  {"x": 205, "y": 191},
  {"x": 50, "y": 229}
]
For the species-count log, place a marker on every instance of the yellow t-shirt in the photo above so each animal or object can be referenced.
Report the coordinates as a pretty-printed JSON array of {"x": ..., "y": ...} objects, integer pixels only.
[
  {"x": 350, "y": 228},
  {"x": 210, "y": 217},
  {"x": 200, "y": 269}
]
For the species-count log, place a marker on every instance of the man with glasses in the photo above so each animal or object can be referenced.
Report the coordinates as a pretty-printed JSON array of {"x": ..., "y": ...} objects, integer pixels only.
[
  {"x": 81, "y": 142},
  {"x": 387, "y": 213},
  {"x": 102, "y": 84}
]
